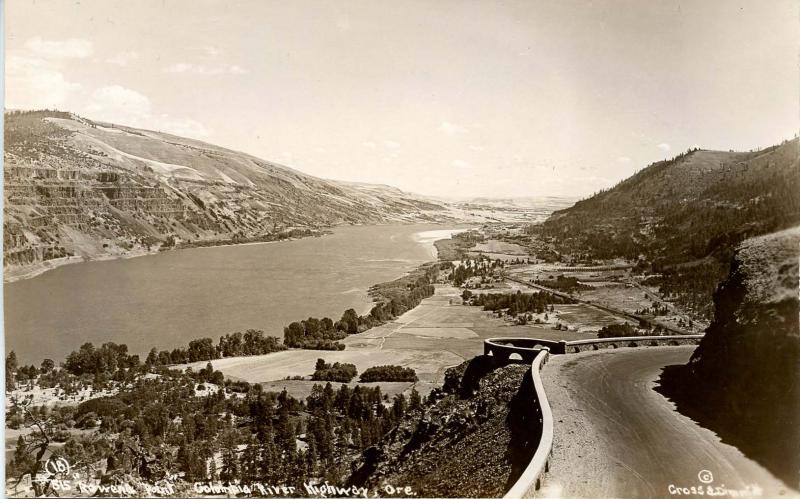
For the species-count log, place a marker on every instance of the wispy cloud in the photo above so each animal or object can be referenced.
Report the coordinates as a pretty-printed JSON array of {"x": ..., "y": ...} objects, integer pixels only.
[
  {"x": 664, "y": 147},
  {"x": 33, "y": 83},
  {"x": 122, "y": 105},
  {"x": 451, "y": 129},
  {"x": 369, "y": 144},
  {"x": 460, "y": 163},
  {"x": 72, "y": 48},
  {"x": 123, "y": 58},
  {"x": 391, "y": 144},
  {"x": 476, "y": 148},
  {"x": 188, "y": 67},
  {"x": 624, "y": 159}
]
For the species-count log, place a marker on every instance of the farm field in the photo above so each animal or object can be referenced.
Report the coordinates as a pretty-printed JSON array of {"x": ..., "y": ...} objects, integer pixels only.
[
  {"x": 498, "y": 250},
  {"x": 546, "y": 271},
  {"x": 621, "y": 296},
  {"x": 502, "y": 287},
  {"x": 632, "y": 298},
  {"x": 437, "y": 334},
  {"x": 586, "y": 318}
]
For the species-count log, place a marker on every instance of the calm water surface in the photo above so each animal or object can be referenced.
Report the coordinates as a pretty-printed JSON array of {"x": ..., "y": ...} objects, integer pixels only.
[{"x": 165, "y": 300}]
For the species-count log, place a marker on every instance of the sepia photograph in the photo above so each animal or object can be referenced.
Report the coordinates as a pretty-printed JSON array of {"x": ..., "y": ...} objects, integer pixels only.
[{"x": 401, "y": 249}]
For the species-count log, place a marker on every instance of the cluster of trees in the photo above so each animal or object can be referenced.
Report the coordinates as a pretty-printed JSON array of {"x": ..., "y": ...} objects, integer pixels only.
[
  {"x": 396, "y": 297},
  {"x": 482, "y": 267},
  {"x": 563, "y": 283},
  {"x": 16, "y": 373},
  {"x": 340, "y": 372},
  {"x": 393, "y": 299},
  {"x": 158, "y": 427},
  {"x": 456, "y": 247},
  {"x": 655, "y": 310},
  {"x": 388, "y": 373},
  {"x": 252, "y": 342},
  {"x": 518, "y": 302},
  {"x": 106, "y": 359},
  {"x": 618, "y": 331},
  {"x": 690, "y": 286},
  {"x": 313, "y": 333}
]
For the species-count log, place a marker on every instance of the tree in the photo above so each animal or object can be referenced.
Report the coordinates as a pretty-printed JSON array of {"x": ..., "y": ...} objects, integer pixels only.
[
  {"x": 11, "y": 361},
  {"x": 230, "y": 461},
  {"x": 349, "y": 321},
  {"x": 414, "y": 400},
  {"x": 152, "y": 357},
  {"x": 47, "y": 366}
]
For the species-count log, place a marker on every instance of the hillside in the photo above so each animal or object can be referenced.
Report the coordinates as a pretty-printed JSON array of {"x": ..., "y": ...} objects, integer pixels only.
[
  {"x": 75, "y": 188},
  {"x": 683, "y": 217},
  {"x": 743, "y": 380},
  {"x": 472, "y": 438}
]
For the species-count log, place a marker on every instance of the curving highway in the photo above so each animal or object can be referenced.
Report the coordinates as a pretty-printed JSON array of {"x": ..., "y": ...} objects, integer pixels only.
[{"x": 617, "y": 437}]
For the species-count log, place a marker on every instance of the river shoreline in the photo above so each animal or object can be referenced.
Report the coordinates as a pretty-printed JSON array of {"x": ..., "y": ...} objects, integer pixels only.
[
  {"x": 21, "y": 273},
  {"x": 15, "y": 274},
  {"x": 167, "y": 300}
]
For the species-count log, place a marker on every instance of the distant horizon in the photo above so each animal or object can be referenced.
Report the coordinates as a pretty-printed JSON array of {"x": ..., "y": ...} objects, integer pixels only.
[
  {"x": 443, "y": 197},
  {"x": 514, "y": 99}
]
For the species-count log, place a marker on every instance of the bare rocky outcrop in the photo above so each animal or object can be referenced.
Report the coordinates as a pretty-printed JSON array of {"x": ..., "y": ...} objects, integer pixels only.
[{"x": 743, "y": 380}]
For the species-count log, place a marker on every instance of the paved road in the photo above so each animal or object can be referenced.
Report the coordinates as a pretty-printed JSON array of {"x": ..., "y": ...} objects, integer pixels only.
[{"x": 617, "y": 437}]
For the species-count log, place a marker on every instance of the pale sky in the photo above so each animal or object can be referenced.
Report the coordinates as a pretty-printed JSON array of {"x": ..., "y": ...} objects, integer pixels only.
[{"x": 470, "y": 98}]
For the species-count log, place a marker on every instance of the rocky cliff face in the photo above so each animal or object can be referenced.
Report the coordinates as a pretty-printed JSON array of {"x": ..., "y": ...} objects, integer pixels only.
[
  {"x": 75, "y": 187},
  {"x": 743, "y": 380},
  {"x": 471, "y": 439}
]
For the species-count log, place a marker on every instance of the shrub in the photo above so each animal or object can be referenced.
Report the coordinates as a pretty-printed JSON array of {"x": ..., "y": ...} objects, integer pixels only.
[
  {"x": 338, "y": 372},
  {"x": 388, "y": 373}
]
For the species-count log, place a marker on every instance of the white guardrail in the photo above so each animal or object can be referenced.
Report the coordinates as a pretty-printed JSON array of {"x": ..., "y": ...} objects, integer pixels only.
[{"x": 531, "y": 479}]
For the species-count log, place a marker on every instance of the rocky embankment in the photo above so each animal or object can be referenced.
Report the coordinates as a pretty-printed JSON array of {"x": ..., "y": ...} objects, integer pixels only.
[
  {"x": 472, "y": 438},
  {"x": 743, "y": 381}
]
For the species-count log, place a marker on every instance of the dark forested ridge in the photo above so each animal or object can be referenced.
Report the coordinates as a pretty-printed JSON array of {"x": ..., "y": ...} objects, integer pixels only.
[{"x": 682, "y": 217}]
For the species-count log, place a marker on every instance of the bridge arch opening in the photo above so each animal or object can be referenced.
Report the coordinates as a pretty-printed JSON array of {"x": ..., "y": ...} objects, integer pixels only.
[{"x": 515, "y": 356}]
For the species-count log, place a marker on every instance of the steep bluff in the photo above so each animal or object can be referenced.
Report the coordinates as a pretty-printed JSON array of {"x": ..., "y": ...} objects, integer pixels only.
[
  {"x": 743, "y": 380},
  {"x": 76, "y": 187}
]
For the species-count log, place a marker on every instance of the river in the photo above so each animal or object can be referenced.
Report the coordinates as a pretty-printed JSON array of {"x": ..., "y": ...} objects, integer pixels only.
[{"x": 167, "y": 299}]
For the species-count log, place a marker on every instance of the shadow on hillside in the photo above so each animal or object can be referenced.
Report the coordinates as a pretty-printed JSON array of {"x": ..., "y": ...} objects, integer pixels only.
[{"x": 777, "y": 453}]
